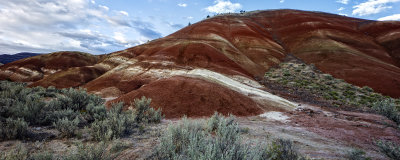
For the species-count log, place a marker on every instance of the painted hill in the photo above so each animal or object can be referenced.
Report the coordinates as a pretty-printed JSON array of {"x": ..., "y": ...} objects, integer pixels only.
[
  {"x": 35, "y": 68},
  {"x": 214, "y": 65},
  {"x": 287, "y": 74},
  {"x": 7, "y": 58}
]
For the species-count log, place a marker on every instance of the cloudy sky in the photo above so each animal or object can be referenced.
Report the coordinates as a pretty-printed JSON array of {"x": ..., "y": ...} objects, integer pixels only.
[{"x": 103, "y": 26}]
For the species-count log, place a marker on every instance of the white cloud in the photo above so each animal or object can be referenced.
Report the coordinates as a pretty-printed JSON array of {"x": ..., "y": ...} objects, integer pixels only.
[
  {"x": 372, "y": 7},
  {"x": 189, "y": 17},
  {"x": 182, "y": 5},
  {"x": 104, "y": 7},
  {"x": 83, "y": 25},
  {"x": 341, "y": 9},
  {"x": 223, "y": 6},
  {"x": 281, "y": 1},
  {"x": 343, "y": 14},
  {"x": 120, "y": 37},
  {"x": 343, "y": 1},
  {"x": 395, "y": 17},
  {"x": 124, "y": 13}
]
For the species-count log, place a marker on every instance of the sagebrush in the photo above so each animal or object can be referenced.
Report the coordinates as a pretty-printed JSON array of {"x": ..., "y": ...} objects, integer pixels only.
[
  {"x": 218, "y": 139},
  {"x": 68, "y": 110}
]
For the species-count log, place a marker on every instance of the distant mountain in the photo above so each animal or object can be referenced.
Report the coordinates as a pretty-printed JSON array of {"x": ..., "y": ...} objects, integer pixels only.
[{"x": 7, "y": 58}]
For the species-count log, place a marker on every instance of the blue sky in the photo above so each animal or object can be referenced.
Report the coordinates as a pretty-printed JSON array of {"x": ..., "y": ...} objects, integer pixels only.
[{"x": 104, "y": 26}]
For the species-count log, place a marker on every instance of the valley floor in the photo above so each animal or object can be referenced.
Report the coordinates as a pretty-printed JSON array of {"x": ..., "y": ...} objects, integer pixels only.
[{"x": 316, "y": 132}]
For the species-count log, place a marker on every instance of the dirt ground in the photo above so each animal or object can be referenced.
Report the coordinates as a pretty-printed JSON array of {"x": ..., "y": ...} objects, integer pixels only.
[{"x": 316, "y": 133}]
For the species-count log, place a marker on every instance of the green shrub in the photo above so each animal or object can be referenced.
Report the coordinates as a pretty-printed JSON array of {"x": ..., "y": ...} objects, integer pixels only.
[
  {"x": 51, "y": 106},
  {"x": 186, "y": 140},
  {"x": 154, "y": 116},
  {"x": 28, "y": 110},
  {"x": 42, "y": 156},
  {"x": 388, "y": 109},
  {"x": 115, "y": 125},
  {"x": 118, "y": 146},
  {"x": 90, "y": 152},
  {"x": 51, "y": 117},
  {"x": 95, "y": 112},
  {"x": 78, "y": 99},
  {"x": 244, "y": 130},
  {"x": 145, "y": 113},
  {"x": 17, "y": 153},
  {"x": 367, "y": 89},
  {"x": 13, "y": 129},
  {"x": 280, "y": 149},
  {"x": 357, "y": 154},
  {"x": 67, "y": 127},
  {"x": 219, "y": 138},
  {"x": 213, "y": 121},
  {"x": 390, "y": 149}
]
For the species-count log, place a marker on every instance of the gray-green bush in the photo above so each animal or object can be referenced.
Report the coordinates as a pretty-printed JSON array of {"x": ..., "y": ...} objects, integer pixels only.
[
  {"x": 17, "y": 153},
  {"x": 96, "y": 151},
  {"x": 67, "y": 127},
  {"x": 41, "y": 106},
  {"x": 280, "y": 149},
  {"x": 118, "y": 146},
  {"x": 78, "y": 99},
  {"x": 116, "y": 124},
  {"x": 356, "y": 154},
  {"x": 390, "y": 149},
  {"x": 13, "y": 129},
  {"x": 388, "y": 109},
  {"x": 95, "y": 112},
  {"x": 42, "y": 156},
  {"x": 218, "y": 139},
  {"x": 54, "y": 116},
  {"x": 91, "y": 152},
  {"x": 63, "y": 108},
  {"x": 145, "y": 113}
]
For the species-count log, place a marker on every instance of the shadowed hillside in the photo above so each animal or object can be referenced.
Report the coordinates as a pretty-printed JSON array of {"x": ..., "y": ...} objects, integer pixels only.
[{"x": 7, "y": 58}]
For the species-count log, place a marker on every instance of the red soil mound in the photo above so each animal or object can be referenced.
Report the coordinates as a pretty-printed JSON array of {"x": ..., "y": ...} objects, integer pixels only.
[
  {"x": 178, "y": 96},
  {"x": 73, "y": 77},
  {"x": 35, "y": 68}
]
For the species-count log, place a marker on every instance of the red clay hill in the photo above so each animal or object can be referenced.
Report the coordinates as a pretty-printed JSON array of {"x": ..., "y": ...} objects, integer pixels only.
[
  {"x": 212, "y": 65},
  {"x": 37, "y": 67}
]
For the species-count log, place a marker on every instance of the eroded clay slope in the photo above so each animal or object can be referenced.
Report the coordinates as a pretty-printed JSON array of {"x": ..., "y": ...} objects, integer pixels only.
[
  {"x": 362, "y": 52},
  {"x": 35, "y": 68},
  {"x": 228, "y": 53},
  {"x": 248, "y": 45}
]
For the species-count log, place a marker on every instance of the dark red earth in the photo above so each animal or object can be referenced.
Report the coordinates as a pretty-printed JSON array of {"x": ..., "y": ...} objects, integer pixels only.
[{"x": 193, "y": 97}]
